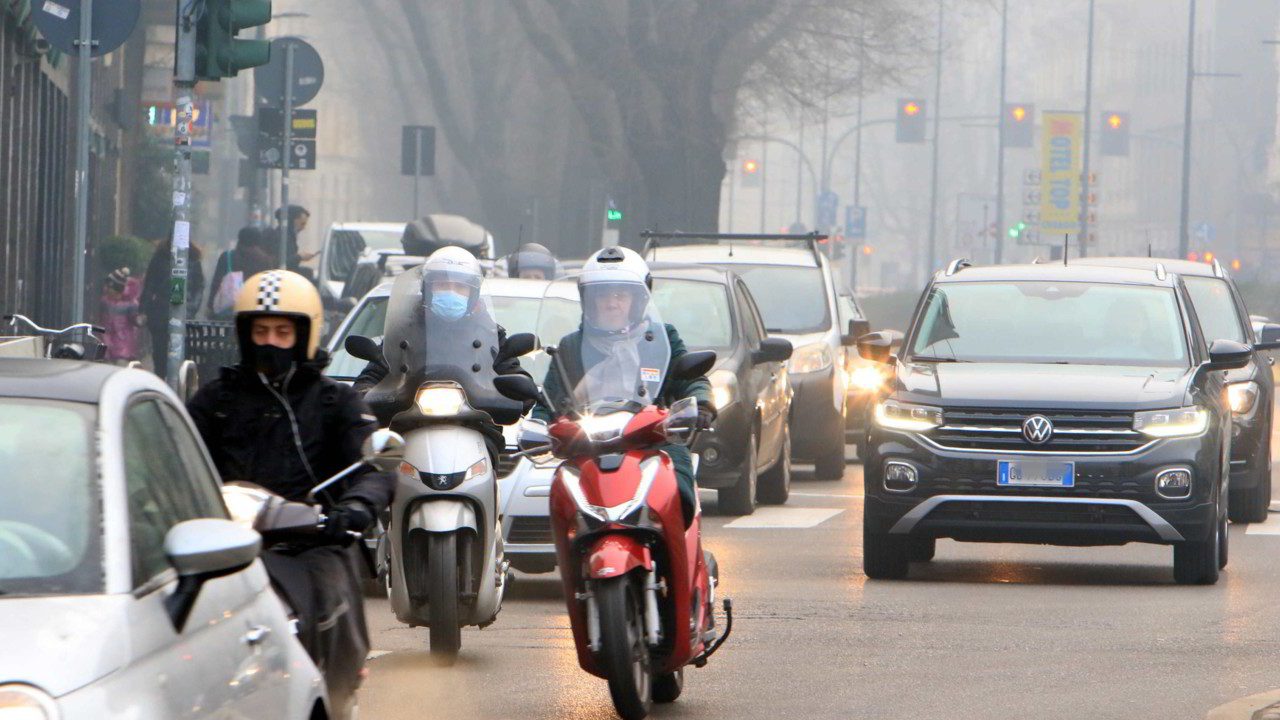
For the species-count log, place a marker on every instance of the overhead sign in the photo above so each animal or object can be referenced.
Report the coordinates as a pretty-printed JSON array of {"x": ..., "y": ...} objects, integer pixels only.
[
  {"x": 855, "y": 222},
  {"x": 112, "y": 23},
  {"x": 308, "y": 73},
  {"x": 1060, "y": 172},
  {"x": 828, "y": 202}
]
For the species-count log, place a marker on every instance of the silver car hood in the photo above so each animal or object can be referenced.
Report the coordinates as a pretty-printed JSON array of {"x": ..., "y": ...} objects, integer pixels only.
[{"x": 61, "y": 644}]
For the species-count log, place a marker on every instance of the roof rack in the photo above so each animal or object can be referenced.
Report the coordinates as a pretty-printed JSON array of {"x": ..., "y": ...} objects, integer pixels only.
[
  {"x": 957, "y": 265},
  {"x": 1160, "y": 272},
  {"x": 653, "y": 240},
  {"x": 1218, "y": 270}
]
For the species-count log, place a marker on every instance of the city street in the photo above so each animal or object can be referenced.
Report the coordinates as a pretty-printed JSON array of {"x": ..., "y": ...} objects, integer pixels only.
[{"x": 984, "y": 631}]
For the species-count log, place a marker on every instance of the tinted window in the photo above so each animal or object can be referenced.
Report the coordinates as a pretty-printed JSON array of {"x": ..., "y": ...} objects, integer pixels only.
[
  {"x": 698, "y": 310},
  {"x": 1216, "y": 309},
  {"x": 162, "y": 490},
  {"x": 369, "y": 323},
  {"x": 792, "y": 299},
  {"x": 50, "y": 521},
  {"x": 750, "y": 319},
  {"x": 1043, "y": 322}
]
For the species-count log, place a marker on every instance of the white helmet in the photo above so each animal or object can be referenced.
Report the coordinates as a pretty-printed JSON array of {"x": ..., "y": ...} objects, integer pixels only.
[
  {"x": 612, "y": 269},
  {"x": 452, "y": 265}
]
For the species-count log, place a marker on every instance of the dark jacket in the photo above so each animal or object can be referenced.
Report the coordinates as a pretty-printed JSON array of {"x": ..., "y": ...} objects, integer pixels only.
[
  {"x": 155, "y": 285},
  {"x": 250, "y": 433}
]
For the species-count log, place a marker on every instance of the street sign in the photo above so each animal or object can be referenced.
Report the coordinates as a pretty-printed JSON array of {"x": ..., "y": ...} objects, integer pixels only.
[
  {"x": 308, "y": 74},
  {"x": 421, "y": 138},
  {"x": 855, "y": 222},
  {"x": 302, "y": 157},
  {"x": 1204, "y": 232},
  {"x": 828, "y": 203},
  {"x": 113, "y": 22},
  {"x": 271, "y": 124},
  {"x": 1060, "y": 176}
]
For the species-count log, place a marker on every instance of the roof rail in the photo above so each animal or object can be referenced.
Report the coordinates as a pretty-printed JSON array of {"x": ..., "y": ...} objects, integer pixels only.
[
  {"x": 1218, "y": 270},
  {"x": 653, "y": 239},
  {"x": 957, "y": 265},
  {"x": 1160, "y": 272}
]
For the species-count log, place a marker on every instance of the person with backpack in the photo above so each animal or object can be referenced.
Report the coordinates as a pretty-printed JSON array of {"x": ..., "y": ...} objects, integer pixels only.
[{"x": 248, "y": 258}]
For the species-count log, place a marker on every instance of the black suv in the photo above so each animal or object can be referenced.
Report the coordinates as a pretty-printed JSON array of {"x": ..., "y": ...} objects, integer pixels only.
[
  {"x": 1250, "y": 390},
  {"x": 1051, "y": 404}
]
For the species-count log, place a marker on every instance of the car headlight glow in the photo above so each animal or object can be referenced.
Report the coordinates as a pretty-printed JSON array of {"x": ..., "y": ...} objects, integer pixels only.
[
  {"x": 440, "y": 400},
  {"x": 23, "y": 702},
  {"x": 810, "y": 358},
  {"x": 905, "y": 416},
  {"x": 603, "y": 428},
  {"x": 867, "y": 378},
  {"x": 1178, "y": 422},
  {"x": 1242, "y": 397},
  {"x": 724, "y": 387}
]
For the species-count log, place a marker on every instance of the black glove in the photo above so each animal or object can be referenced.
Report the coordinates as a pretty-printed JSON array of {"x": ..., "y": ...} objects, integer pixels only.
[
  {"x": 706, "y": 415},
  {"x": 345, "y": 518}
]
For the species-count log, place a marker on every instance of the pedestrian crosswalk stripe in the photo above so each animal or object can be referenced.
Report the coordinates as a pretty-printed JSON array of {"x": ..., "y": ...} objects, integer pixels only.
[
  {"x": 1270, "y": 527},
  {"x": 785, "y": 517}
]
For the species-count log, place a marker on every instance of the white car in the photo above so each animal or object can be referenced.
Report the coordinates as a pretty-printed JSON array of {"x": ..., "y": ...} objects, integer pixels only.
[
  {"x": 125, "y": 589},
  {"x": 348, "y": 244}
]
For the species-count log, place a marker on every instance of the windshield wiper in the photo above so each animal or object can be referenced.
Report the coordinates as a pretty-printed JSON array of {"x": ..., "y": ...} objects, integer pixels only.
[{"x": 927, "y": 358}]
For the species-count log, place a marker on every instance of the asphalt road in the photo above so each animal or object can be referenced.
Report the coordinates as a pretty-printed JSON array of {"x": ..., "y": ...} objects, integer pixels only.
[{"x": 984, "y": 631}]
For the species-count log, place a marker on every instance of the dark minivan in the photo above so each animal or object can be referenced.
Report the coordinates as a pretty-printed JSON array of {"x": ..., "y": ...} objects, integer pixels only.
[{"x": 1055, "y": 405}]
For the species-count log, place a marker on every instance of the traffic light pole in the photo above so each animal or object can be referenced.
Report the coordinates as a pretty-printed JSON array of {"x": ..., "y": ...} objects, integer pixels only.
[
  {"x": 184, "y": 83},
  {"x": 933, "y": 184},
  {"x": 1004, "y": 59},
  {"x": 1184, "y": 211},
  {"x": 1083, "y": 244},
  {"x": 84, "y": 82}
]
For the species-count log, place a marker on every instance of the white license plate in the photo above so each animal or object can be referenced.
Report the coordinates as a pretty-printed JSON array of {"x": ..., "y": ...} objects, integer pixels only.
[{"x": 1035, "y": 473}]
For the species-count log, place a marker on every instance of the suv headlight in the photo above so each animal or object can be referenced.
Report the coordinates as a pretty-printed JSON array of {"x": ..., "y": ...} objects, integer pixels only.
[
  {"x": 810, "y": 358},
  {"x": 867, "y": 378},
  {"x": 724, "y": 388},
  {"x": 905, "y": 416},
  {"x": 24, "y": 702},
  {"x": 1242, "y": 397},
  {"x": 1179, "y": 422}
]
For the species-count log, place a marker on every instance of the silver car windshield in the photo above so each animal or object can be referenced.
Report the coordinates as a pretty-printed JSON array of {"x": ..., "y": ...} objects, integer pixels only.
[
  {"x": 49, "y": 499},
  {"x": 1051, "y": 322}
]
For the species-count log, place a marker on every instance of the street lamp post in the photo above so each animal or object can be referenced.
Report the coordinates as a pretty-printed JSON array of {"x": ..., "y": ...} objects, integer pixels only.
[
  {"x": 933, "y": 184},
  {"x": 1004, "y": 49},
  {"x": 1184, "y": 240},
  {"x": 1083, "y": 244}
]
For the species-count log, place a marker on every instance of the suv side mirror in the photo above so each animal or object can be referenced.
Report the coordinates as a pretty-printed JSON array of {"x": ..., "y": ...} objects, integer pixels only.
[
  {"x": 362, "y": 347},
  {"x": 1268, "y": 337},
  {"x": 202, "y": 550},
  {"x": 857, "y": 328},
  {"x": 1229, "y": 355},
  {"x": 772, "y": 350},
  {"x": 878, "y": 346}
]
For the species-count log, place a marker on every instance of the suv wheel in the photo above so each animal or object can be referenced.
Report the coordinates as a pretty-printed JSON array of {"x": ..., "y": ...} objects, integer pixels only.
[
  {"x": 1195, "y": 562},
  {"x": 830, "y": 464},
  {"x": 884, "y": 556},
  {"x": 740, "y": 498},
  {"x": 922, "y": 550},
  {"x": 775, "y": 484},
  {"x": 1250, "y": 505}
]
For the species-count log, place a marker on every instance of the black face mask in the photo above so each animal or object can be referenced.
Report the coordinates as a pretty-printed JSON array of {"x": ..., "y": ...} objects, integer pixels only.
[{"x": 271, "y": 360}]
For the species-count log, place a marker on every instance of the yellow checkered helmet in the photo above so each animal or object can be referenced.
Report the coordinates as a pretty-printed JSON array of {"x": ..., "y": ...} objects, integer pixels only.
[{"x": 284, "y": 294}]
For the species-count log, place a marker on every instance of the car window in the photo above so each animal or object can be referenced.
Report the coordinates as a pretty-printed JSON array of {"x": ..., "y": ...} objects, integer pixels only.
[
  {"x": 698, "y": 310},
  {"x": 1052, "y": 322},
  {"x": 162, "y": 490},
  {"x": 204, "y": 479},
  {"x": 1216, "y": 309},
  {"x": 346, "y": 246},
  {"x": 50, "y": 501},
  {"x": 516, "y": 314},
  {"x": 793, "y": 300},
  {"x": 750, "y": 318},
  {"x": 369, "y": 322}
]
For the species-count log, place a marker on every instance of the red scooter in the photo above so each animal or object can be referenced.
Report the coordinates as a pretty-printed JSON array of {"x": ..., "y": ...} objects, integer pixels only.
[{"x": 640, "y": 590}]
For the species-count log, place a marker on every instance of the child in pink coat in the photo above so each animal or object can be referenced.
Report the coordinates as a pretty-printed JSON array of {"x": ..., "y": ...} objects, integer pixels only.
[{"x": 120, "y": 296}]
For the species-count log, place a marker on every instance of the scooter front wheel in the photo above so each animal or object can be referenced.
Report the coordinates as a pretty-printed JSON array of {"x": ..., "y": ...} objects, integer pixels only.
[
  {"x": 623, "y": 654},
  {"x": 442, "y": 564}
]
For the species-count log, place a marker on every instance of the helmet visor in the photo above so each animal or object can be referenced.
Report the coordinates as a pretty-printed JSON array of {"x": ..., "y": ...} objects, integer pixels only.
[{"x": 614, "y": 307}]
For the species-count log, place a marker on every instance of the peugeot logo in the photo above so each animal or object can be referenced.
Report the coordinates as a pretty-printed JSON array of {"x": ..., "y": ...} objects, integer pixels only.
[{"x": 1037, "y": 429}]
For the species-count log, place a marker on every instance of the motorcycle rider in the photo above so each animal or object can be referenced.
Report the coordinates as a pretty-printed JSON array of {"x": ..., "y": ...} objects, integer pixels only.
[
  {"x": 615, "y": 287},
  {"x": 533, "y": 262},
  {"x": 275, "y": 420}
]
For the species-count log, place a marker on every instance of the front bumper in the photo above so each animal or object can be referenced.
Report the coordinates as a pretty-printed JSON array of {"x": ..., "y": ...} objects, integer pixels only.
[
  {"x": 721, "y": 453},
  {"x": 1114, "y": 501},
  {"x": 1250, "y": 440},
  {"x": 526, "y": 519},
  {"x": 817, "y": 422}
]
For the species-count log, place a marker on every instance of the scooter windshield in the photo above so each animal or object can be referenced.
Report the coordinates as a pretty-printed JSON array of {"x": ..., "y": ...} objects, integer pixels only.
[
  {"x": 619, "y": 354},
  {"x": 427, "y": 341}
]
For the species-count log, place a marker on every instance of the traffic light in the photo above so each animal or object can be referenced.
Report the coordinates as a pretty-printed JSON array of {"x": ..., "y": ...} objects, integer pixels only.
[
  {"x": 1016, "y": 230},
  {"x": 751, "y": 173},
  {"x": 911, "y": 119},
  {"x": 1018, "y": 125},
  {"x": 219, "y": 53},
  {"x": 1115, "y": 134}
]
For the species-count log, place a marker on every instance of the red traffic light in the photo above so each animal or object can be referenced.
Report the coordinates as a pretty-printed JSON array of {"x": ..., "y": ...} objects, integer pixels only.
[
  {"x": 1193, "y": 256},
  {"x": 750, "y": 166},
  {"x": 911, "y": 108}
]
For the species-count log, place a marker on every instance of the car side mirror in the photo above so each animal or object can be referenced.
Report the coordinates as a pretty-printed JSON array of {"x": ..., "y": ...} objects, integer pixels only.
[
  {"x": 772, "y": 350},
  {"x": 362, "y": 347},
  {"x": 857, "y": 328},
  {"x": 1268, "y": 337},
  {"x": 202, "y": 550},
  {"x": 383, "y": 449},
  {"x": 517, "y": 387},
  {"x": 515, "y": 346},
  {"x": 1229, "y": 355},
  {"x": 877, "y": 346},
  {"x": 693, "y": 365}
]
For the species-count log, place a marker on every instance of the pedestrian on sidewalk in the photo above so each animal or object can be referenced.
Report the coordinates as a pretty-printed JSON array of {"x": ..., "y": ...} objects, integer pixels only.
[
  {"x": 155, "y": 298},
  {"x": 121, "y": 294},
  {"x": 249, "y": 257}
]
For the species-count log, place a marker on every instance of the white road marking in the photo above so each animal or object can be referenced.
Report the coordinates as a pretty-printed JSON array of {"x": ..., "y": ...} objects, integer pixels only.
[
  {"x": 785, "y": 517},
  {"x": 858, "y": 496},
  {"x": 1270, "y": 527},
  {"x": 375, "y": 654}
]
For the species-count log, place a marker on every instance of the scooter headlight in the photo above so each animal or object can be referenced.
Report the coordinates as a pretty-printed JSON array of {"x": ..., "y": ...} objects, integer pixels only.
[
  {"x": 440, "y": 400},
  {"x": 572, "y": 481},
  {"x": 603, "y": 428},
  {"x": 24, "y": 702}
]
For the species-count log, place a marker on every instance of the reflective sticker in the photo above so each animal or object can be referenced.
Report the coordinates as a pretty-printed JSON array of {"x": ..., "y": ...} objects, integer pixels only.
[{"x": 650, "y": 375}]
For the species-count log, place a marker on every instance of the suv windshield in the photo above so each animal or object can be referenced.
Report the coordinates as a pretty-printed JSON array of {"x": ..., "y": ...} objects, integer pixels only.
[
  {"x": 698, "y": 310},
  {"x": 793, "y": 300},
  {"x": 49, "y": 499},
  {"x": 1051, "y": 322},
  {"x": 1215, "y": 308}
]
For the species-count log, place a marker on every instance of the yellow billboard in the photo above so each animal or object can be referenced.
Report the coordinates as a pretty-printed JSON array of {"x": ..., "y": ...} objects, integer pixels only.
[{"x": 1060, "y": 170}]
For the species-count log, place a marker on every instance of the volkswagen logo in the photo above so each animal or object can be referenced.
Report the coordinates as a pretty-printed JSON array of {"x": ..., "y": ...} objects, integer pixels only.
[{"x": 1037, "y": 429}]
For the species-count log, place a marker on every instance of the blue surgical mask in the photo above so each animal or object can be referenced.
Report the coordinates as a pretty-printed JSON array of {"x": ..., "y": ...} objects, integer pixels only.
[{"x": 449, "y": 305}]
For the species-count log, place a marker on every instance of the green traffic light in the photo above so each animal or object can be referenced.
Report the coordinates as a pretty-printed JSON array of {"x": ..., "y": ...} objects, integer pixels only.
[{"x": 613, "y": 215}]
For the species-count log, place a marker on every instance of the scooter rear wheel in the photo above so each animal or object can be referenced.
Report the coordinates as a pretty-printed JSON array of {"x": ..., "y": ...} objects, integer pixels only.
[
  {"x": 446, "y": 633},
  {"x": 624, "y": 656}
]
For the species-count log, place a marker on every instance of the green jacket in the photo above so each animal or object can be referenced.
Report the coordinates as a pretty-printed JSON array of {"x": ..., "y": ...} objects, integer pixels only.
[{"x": 569, "y": 352}]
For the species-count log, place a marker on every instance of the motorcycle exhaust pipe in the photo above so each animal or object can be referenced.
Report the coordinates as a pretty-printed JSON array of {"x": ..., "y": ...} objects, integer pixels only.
[{"x": 653, "y": 623}]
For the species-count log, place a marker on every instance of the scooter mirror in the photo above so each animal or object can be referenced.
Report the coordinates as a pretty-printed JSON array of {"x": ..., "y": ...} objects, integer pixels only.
[
  {"x": 362, "y": 347},
  {"x": 384, "y": 449},
  {"x": 516, "y": 346},
  {"x": 533, "y": 434}
]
